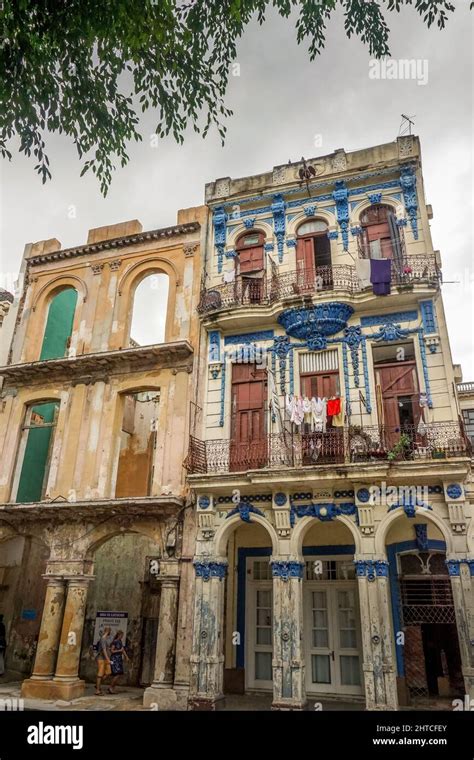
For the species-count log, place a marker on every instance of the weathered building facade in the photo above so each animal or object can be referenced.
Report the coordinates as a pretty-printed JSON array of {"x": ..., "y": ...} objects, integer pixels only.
[
  {"x": 93, "y": 434},
  {"x": 334, "y": 553}
]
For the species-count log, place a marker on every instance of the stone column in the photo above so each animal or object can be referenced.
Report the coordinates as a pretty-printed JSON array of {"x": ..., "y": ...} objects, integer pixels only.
[
  {"x": 378, "y": 664},
  {"x": 48, "y": 640},
  {"x": 207, "y": 655},
  {"x": 289, "y": 689},
  {"x": 66, "y": 683},
  {"x": 161, "y": 695},
  {"x": 461, "y": 572}
]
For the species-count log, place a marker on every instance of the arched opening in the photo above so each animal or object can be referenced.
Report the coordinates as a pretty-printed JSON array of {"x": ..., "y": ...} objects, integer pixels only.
[
  {"x": 149, "y": 310},
  {"x": 34, "y": 452},
  {"x": 250, "y": 266},
  {"x": 57, "y": 334},
  {"x": 332, "y": 631},
  {"x": 22, "y": 563},
  {"x": 380, "y": 237},
  {"x": 313, "y": 256},
  {"x": 248, "y": 611},
  {"x": 426, "y": 638},
  {"x": 140, "y": 410},
  {"x": 125, "y": 595}
]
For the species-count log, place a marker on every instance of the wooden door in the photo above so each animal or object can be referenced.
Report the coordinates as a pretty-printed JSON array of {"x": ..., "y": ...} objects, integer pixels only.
[
  {"x": 400, "y": 404},
  {"x": 305, "y": 264},
  {"x": 249, "y": 395}
]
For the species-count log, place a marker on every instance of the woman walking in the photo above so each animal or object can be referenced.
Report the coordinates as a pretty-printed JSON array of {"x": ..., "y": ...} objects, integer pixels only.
[{"x": 117, "y": 653}]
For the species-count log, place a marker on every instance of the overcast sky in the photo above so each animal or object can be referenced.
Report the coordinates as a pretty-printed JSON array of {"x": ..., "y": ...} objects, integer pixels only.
[{"x": 281, "y": 102}]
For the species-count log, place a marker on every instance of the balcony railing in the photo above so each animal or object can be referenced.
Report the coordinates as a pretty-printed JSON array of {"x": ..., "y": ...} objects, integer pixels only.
[
  {"x": 244, "y": 291},
  {"x": 440, "y": 440},
  {"x": 466, "y": 387}
]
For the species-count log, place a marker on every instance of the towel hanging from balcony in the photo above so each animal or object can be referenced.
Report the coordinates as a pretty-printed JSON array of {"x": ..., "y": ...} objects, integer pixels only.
[
  {"x": 381, "y": 276},
  {"x": 363, "y": 272}
]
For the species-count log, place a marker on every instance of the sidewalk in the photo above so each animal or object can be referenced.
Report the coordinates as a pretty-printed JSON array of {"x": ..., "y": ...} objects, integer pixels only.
[{"x": 127, "y": 698}]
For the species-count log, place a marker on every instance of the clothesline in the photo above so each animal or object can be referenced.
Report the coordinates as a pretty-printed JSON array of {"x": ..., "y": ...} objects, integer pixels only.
[{"x": 315, "y": 411}]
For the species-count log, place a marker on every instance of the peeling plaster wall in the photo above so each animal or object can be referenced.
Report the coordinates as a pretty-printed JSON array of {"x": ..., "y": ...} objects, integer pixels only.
[
  {"x": 22, "y": 563},
  {"x": 120, "y": 571}
]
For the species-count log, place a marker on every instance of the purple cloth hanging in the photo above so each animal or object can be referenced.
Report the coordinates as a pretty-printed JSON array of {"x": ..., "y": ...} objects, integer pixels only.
[{"x": 381, "y": 276}]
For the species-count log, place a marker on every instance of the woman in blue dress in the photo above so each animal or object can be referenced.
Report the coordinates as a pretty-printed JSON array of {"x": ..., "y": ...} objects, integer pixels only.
[{"x": 117, "y": 653}]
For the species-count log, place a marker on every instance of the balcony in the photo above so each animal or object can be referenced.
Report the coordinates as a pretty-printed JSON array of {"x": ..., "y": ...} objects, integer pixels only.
[
  {"x": 265, "y": 291},
  {"x": 466, "y": 387},
  {"x": 441, "y": 440}
]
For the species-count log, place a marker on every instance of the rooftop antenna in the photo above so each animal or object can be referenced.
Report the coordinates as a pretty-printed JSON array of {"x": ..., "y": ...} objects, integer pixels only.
[
  {"x": 305, "y": 173},
  {"x": 406, "y": 125}
]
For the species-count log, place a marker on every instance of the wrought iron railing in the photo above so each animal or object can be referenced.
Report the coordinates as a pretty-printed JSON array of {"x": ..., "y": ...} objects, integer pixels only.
[
  {"x": 440, "y": 440},
  {"x": 244, "y": 291}
]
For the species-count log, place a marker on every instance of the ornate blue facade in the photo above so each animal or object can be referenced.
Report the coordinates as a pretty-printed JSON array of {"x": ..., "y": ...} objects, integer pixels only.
[
  {"x": 286, "y": 570},
  {"x": 408, "y": 184},
  {"x": 340, "y": 195},
  {"x": 371, "y": 568},
  {"x": 207, "y": 569},
  {"x": 322, "y": 319},
  {"x": 279, "y": 222}
]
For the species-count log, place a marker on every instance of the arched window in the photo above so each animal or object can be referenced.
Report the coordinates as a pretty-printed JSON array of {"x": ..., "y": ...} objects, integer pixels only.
[
  {"x": 57, "y": 334},
  {"x": 250, "y": 263},
  {"x": 34, "y": 453},
  {"x": 313, "y": 256},
  {"x": 380, "y": 234},
  {"x": 150, "y": 304}
]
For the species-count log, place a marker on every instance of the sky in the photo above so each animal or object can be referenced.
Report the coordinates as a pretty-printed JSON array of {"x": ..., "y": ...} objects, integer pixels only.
[{"x": 285, "y": 107}]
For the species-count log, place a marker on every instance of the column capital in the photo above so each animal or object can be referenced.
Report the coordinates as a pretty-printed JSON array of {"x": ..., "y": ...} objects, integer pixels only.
[
  {"x": 371, "y": 568},
  {"x": 210, "y": 567},
  {"x": 287, "y": 568}
]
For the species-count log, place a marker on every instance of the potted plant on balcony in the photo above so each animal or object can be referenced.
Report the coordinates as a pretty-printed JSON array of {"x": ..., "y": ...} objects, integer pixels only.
[
  {"x": 438, "y": 454},
  {"x": 401, "y": 449}
]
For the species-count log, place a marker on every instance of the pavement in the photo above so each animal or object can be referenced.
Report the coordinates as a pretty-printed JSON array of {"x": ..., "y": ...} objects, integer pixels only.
[{"x": 129, "y": 698}]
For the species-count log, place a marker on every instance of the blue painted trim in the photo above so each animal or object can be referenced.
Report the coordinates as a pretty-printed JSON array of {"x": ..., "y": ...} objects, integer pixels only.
[
  {"x": 428, "y": 316},
  {"x": 365, "y": 365},
  {"x": 408, "y": 184},
  {"x": 214, "y": 346},
  {"x": 392, "y": 551},
  {"x": 345, "y": 366},
  {"x": 232, "y": 340},
  {"x": 425, "y": 368},
  {"x": 313, "y": 186},
  {"x": 380, "y": 319},
  {"x": 242, "y": 554},
  {"x": 223, "y": 373}
]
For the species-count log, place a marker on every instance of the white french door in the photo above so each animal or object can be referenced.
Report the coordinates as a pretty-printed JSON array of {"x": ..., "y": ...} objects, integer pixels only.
[
  {"x": 259, "y": 626},
  {"x": 332, "y": 633}
]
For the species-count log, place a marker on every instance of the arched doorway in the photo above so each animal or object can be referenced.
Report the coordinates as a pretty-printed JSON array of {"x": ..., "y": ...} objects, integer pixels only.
[
  {"x": 424, "y": 621},
  {"x": 250, "y": 264},
  {"x": 313, "y": 257},
  {"x": 248, "y": 612},
  {"x": 380, "y": 237},
  {"x": 125, "y": 594},
  {"x": 331, "y": 617}
]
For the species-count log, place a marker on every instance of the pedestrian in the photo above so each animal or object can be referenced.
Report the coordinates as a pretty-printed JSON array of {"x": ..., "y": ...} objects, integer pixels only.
[
  {"x": 3, "y": 645},
  {"x": 103, "y": 659},
  {"x": 117, "y": 653}
]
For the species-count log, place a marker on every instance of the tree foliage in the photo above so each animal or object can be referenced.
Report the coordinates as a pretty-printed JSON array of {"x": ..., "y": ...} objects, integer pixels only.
[{"x": 88, "y": 68}]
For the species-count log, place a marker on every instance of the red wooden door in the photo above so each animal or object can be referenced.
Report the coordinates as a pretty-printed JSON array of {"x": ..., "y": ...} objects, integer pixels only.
[
  {"x": 248, "y": 448},
  {"x": 305, "y": 264},
  {"x": 400, "y": 403}
]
